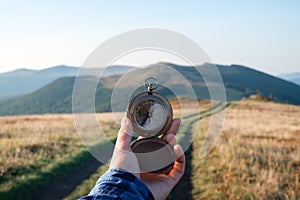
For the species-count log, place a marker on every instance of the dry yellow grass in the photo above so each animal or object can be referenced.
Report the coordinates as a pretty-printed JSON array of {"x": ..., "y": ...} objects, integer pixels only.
[
  {"x": 256, "y": 157},
  {"x": 27, "y": 140},
  {"x": 29, "y": 144}
]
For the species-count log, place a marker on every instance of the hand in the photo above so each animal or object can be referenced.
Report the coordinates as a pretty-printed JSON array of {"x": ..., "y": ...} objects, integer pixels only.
[{"x": 159, "y": 184}]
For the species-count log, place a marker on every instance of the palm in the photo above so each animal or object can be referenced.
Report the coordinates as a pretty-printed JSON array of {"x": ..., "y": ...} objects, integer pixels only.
[{"x": 160, "y": 184}]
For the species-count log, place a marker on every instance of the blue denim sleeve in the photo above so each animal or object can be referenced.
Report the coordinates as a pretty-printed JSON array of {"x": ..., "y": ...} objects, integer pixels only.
[{"x": 119, "y": 184}]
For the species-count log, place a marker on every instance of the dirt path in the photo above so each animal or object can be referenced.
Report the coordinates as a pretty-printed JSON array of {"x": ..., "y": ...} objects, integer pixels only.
[
  {"x": 183, "y": 190},
  {"x": 67, "y": 183}
]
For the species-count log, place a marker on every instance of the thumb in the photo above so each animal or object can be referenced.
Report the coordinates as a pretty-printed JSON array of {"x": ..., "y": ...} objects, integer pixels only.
[{"x": 124, "y": 135}]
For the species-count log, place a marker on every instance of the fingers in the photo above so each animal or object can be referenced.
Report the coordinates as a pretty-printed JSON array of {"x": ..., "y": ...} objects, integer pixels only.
[
  {"x": 123, "y": 157},
  {"x": 170, "y": 139},
  {"x": 179, "y": 166},
  {"x": 180, "y": 157},
  {"x": 173, "y": 128},
  {"x": 124, "y": 135}
]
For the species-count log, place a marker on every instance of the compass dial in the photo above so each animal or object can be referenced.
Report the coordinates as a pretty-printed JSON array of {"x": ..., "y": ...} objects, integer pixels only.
[{"x": 150, "y": 115}]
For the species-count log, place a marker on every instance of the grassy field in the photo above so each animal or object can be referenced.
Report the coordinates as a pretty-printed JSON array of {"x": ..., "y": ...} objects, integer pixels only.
[
  {"x": 35, "y": 151},
  {"x": 256, "y": 157}
]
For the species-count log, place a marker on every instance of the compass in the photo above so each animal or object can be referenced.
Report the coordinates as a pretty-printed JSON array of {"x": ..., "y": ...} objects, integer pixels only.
[
  {"x": 151, "y": 116},
  {"x": 150, "y": 112}
]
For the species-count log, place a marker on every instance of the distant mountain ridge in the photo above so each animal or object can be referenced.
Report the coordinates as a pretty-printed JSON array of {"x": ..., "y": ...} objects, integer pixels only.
[
  {"x": 18, "y": 72},
  {"x": 24, "y": 81},
  {"x": 292, "y": 77},
  {"x": 239, "y": 82},
  {"x": 296, "y": 80}
]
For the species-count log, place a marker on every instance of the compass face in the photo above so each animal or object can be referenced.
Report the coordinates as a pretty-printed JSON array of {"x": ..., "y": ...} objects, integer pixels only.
[{"x": 150, "y": 115}]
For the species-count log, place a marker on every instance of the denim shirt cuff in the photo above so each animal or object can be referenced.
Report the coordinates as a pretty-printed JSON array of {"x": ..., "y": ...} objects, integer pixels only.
[{"x": 119, "y": 184}]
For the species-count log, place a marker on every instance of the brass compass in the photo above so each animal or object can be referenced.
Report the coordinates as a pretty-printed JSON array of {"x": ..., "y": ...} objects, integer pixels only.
[{"x": 151, "y": 116}]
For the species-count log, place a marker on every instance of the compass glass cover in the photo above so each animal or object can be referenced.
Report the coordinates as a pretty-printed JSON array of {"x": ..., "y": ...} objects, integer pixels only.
[{"x": 150, "y": 115}]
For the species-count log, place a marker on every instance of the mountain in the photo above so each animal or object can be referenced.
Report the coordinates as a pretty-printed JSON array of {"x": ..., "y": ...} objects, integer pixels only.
[
  {"x": 249, "y": 81},
  {"x": 239, "y": 82},
  {"x": 292, "y": 77},
  {"x": 296, "y": 80},
  {"x": 18, "y": 72},
  {"x": 24, "y": 81}
]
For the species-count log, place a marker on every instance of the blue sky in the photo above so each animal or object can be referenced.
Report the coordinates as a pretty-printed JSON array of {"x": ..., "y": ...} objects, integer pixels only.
[{"x": 260, "y": 34}]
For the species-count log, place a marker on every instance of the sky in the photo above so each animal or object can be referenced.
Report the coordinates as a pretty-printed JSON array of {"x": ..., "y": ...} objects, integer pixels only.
[{"x": 260, "y": 34}]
